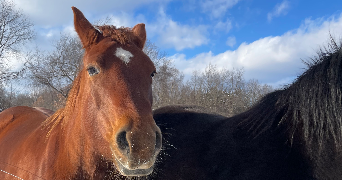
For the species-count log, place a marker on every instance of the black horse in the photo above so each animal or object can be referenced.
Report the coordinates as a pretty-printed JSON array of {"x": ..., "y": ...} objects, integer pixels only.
[{"x": 294, "y": 133}]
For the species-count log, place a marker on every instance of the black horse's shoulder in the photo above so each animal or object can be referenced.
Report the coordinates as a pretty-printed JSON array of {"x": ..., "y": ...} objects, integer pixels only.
[{"x": 186, "y": 116}]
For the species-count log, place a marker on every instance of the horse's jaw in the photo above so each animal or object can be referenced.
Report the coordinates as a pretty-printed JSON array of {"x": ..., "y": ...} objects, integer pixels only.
[
  {"x": 132, "y": 172},
  {"x": 123, "y": 167}
]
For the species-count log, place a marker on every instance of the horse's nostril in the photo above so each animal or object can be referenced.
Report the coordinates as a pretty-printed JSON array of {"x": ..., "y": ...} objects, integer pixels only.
[
  {"x": 122, "y": 142},
  {"x": 158, "y": 141}
]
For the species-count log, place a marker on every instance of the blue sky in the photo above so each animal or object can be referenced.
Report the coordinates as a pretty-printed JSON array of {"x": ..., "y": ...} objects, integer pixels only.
[{"x": 266, "y": 38}]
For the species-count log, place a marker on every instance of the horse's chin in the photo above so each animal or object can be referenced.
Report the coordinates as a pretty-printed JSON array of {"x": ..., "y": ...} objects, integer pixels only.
[{"x": 133, "y": 172}]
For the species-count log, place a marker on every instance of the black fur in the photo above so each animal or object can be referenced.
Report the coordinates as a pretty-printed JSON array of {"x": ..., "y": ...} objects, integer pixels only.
[{"x": 293, "y": 133}]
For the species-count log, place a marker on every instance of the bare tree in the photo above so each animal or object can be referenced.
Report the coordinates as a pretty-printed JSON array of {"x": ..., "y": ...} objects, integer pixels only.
[
  {"x": 8, "y": 97},
  {"x": 168, "y": 82},
  {"x": 167, "y": 85},
  {"x": 56, "y": 70},
  {"x": 222, "y": 91},
  {"x": 256, "y": 91},
  {"x": 4, "y": 103},
  {"x": 153, "y": 52},
  {"x": 15, "y": 30},
  {"x": 48, "y": 98}
]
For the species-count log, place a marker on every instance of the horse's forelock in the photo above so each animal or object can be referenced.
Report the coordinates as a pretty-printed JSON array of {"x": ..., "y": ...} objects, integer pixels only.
[{"x": 121, "y": 35}]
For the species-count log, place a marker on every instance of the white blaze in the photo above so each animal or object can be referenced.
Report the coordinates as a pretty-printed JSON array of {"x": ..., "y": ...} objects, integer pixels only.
[{"x": 124, "y": 55}]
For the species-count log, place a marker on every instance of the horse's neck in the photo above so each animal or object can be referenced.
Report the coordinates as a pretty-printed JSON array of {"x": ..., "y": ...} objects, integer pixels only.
[
  {"x": 70, "y": 143},
  {"x": 76, "y": 143}
]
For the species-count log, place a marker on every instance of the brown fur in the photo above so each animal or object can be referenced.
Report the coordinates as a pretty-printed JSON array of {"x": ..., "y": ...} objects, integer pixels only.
[
  {"x": 124, "y": 35},
  {"x": 76, "y": 141}
]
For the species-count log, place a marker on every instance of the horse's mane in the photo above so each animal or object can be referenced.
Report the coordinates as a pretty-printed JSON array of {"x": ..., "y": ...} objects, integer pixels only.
[
  {"x": 122, "y": 35},
  {"x": 309, "y": 109},
  {"x": 63, "y": 114}
]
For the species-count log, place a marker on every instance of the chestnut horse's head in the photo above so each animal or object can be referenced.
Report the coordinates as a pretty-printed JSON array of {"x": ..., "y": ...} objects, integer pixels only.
[{"x": 116, "y": 79}]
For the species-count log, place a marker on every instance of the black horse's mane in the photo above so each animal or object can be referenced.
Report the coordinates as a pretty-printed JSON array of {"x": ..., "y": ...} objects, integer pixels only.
[{"x": 309, "y": 109}]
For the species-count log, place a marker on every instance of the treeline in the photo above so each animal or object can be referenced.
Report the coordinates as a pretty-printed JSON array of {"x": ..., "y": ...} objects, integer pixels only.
[
  {"x": 219, "y": 91},
  {"x": 48, "y": 76}
]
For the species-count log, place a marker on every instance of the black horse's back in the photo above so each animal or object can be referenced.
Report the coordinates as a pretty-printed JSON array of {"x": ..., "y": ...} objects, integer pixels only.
[
  {"x": 185, "y": 140},
  {"x": 209, "y": 146}
]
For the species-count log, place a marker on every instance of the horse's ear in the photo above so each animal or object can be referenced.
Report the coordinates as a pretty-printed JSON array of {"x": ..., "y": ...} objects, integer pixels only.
[
  {"x": 87, "y": 33},
  {"x": 140, "y": 34}
]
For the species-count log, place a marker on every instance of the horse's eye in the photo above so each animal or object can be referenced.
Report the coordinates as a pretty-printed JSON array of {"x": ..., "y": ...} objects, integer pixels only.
[
  {"x": 92, "y": 70},
  {"x": 153, "y": 73}
]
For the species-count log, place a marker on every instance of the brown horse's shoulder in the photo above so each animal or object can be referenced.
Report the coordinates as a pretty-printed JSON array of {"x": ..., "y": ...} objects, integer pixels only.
[
  {"x": 13, "y": 114},
  {"x": 22, "y": 141}
]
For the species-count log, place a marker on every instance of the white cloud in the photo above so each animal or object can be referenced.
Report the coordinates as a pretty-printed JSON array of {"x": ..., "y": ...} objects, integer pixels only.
[
  {"x": 231, "y": 41},
  {"x": 69, "y": 30},
  {"x": 175, "y": 35},
  {"x": 224, "y": 26},
  {"x": 279, "y": 9},
  {"x": 13, "y": 60},
  {"x": 47, "y": 35},
  {"x": 48, "y": 13},
  {"x": 217, "y": 8},
  {"x": 52, "y": 17},
  {"x": 125, "y": 19},
  {"x": 270, "y": 58}
]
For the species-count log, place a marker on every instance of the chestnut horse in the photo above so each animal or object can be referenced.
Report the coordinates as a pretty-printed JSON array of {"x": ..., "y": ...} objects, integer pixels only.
[
  {"x": 106, "y": 129},
  {"x": 291, "y": 134}
]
